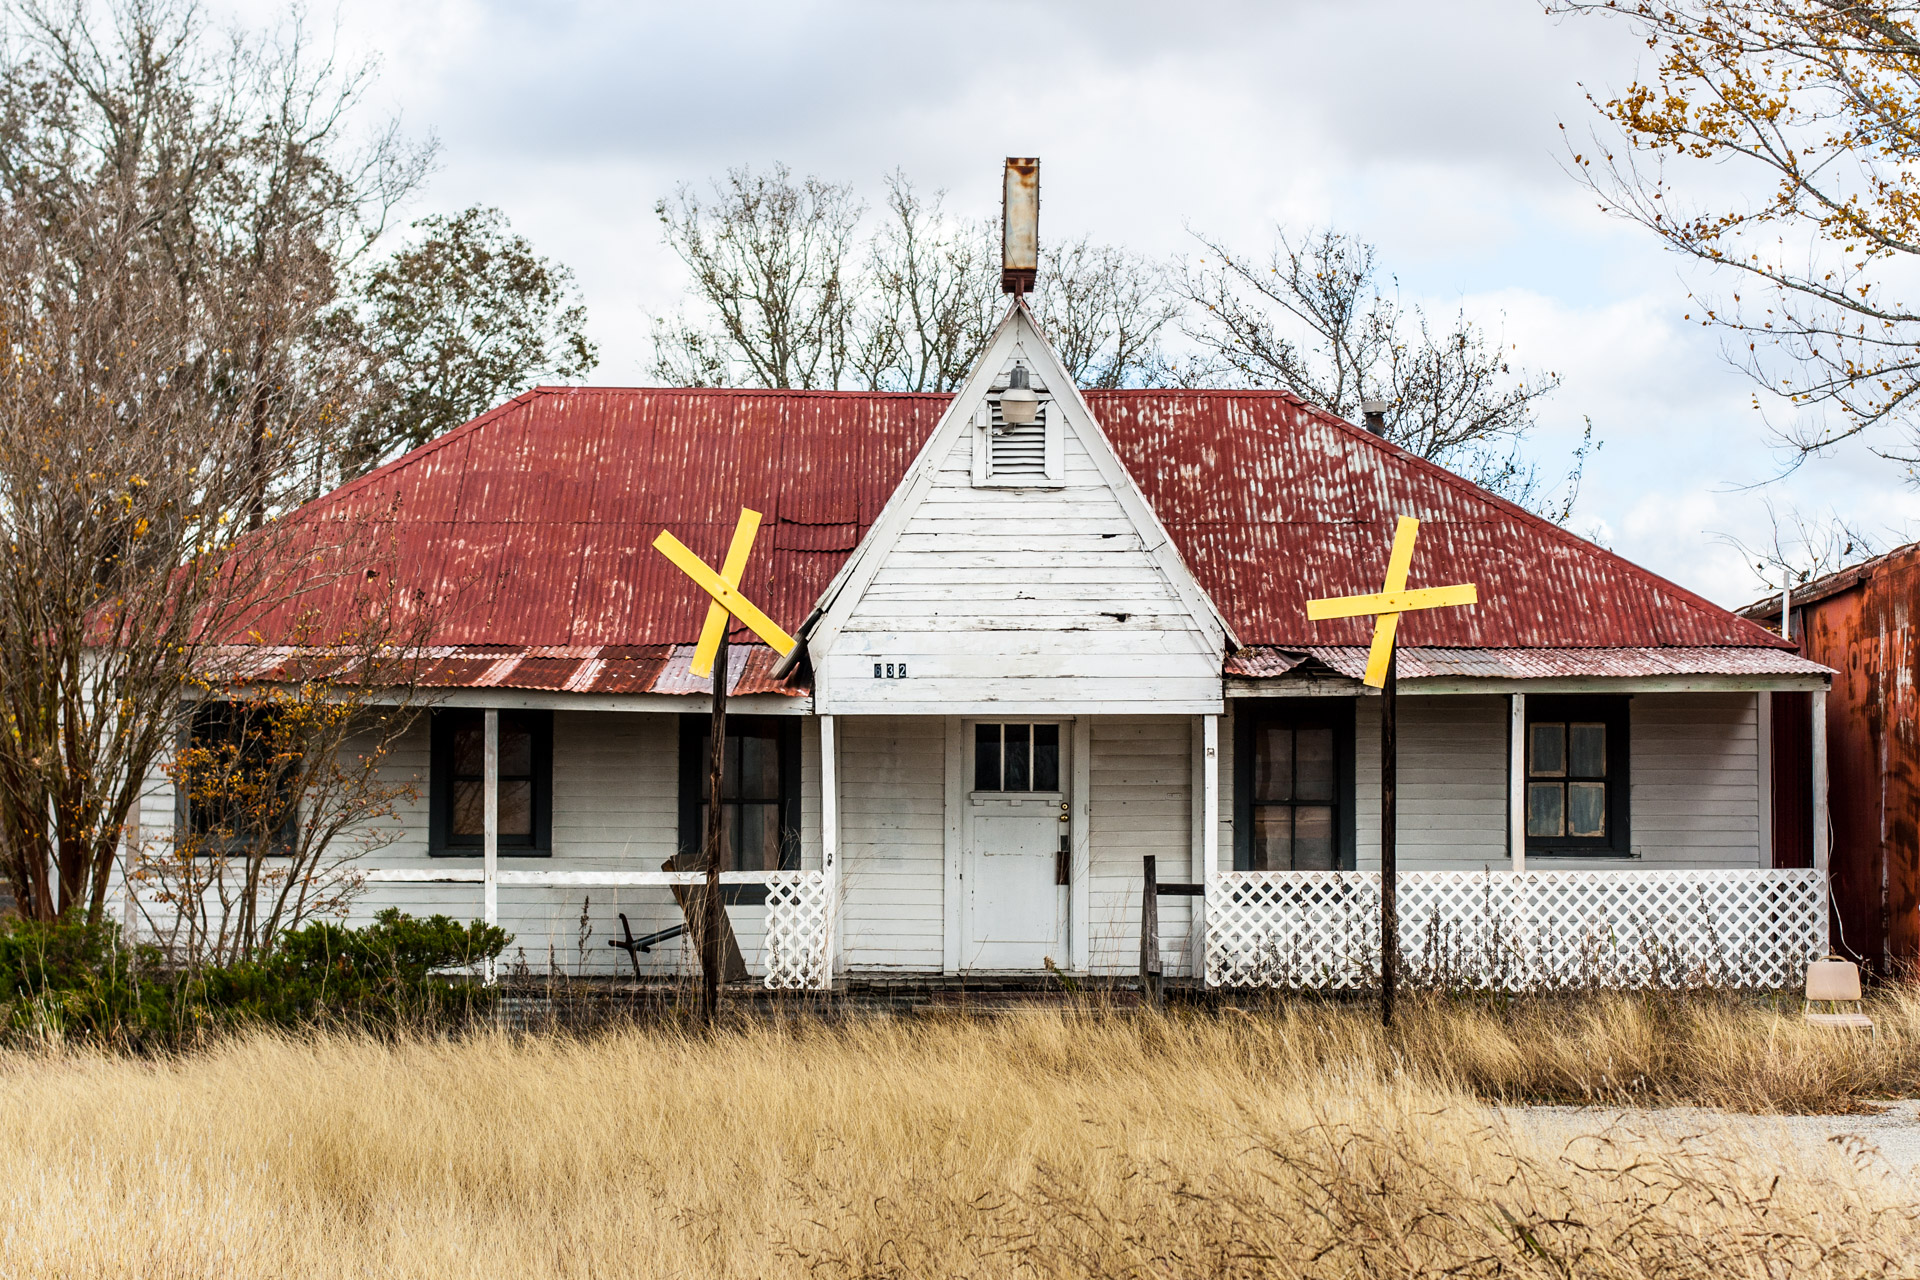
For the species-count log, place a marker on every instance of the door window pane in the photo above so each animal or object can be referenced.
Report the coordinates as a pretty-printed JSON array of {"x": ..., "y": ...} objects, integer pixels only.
[
  {"x": 1313, "y": 764},
  {"x": 1545, "y": 802},
  {"x": 1587, "y": 751},
  {"x": 1547, "y": 749},
  {"x": 1273, "y": 838},
  {"x": 1313, "y": 847},
  {"x": 986, "y": 757},
  {"x": 1016, "y": 763},
  {"x": 1046, "y": 757},
  {"x": 1273, "y": 764},
  {"x": 1586, "y": 808}
]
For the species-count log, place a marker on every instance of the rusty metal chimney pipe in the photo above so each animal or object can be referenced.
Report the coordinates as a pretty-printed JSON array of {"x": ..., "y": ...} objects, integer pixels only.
[
  {"x": 1020, "y": 225},
  {"x": 1374, "y": 414}
]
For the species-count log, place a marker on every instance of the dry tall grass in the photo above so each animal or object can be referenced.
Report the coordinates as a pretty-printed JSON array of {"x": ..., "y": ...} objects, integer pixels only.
[{"x": 1035, "y": 1145}]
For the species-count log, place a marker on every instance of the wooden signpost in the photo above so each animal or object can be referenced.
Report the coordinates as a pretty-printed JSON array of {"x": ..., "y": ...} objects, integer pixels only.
[
  {"x": 708, "y": 655},
  {"x": 1383, "y": 674}
]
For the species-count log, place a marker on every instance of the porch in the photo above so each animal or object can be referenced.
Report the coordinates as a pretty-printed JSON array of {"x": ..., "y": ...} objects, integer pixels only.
[{"x": 886, "y": 807}]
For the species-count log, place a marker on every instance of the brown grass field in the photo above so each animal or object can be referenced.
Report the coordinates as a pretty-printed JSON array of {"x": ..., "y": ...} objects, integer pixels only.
[{"x": 1296, "y": 1142}]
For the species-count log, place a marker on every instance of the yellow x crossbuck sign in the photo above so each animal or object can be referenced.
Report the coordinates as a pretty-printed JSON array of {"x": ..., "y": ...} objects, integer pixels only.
[
  {"x": 724, "y": 588},
  {"x": 1393, "y": 601}
]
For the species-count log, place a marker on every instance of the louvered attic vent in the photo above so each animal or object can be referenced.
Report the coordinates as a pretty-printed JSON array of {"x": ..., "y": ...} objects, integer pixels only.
[{"x": 1017, "y": 451}]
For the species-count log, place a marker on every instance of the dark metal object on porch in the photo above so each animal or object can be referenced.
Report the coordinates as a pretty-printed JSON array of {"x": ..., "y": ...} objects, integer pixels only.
[
  {"x": 1152, "y": 984},
  {"x": 634, "y": 946}
]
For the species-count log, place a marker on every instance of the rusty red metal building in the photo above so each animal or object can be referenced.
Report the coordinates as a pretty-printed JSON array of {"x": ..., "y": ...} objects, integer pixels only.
[{"x": 1860, "y": 622}]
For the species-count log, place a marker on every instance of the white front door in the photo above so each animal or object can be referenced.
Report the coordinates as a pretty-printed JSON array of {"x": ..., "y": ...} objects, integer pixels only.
[{"x": 1016, "y": 811}]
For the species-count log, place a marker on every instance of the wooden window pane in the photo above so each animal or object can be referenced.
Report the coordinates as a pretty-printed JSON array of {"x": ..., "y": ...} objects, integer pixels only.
[
  {"x": 469, "y": 813},
  {"x": 1313, "y": 765},
  {"x": 1546, "y": 803},
  {"x": 1586, "y": 808},
  {"x": 1313, "y": 837},
  {"x": 1017, "y": 773},
  {"x": 516, "y": 749},
  {"x": 470, "y": 750},
  {"x": 1046, "y": 757},
  {"x": 759, "y": 769},
  {"x": 1272, "y": 838},
  {"x": 986, "y": 757},
  {"x": 1587, "y": 751},
  {"x": 1272, "y": 764},
  {"x": 516, "y": 808},
  {"x": 757, "y": 840},
  {"x": 1547, "y": 749}
]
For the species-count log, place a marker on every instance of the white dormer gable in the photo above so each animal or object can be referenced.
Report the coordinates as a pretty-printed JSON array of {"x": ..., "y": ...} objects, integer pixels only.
[{"x": 1017, "y": 571}]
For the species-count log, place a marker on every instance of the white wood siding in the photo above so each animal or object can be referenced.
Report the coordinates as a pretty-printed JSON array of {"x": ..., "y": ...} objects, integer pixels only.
[
  {"x": 1142, "y": 779},
  {"x": 892, "y": 842},
  {"x": 1020, "y": 601},
  {"x": 1695, "y": 797},
  {"x": 1696, "y": 792}
]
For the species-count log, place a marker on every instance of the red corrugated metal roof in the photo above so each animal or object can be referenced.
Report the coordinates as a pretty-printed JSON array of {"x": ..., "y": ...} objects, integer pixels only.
[
  {"x": 530, "y": 528},
  {"x": 1535, "y": 664},
  {"x": 655, "y": 668}
]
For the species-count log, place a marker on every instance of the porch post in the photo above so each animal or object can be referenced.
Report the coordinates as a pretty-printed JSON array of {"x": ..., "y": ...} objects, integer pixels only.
[
  {"x": 490, "y": 820},
  {"x": 1209, "y": 829},
  {"x": 1517, "y": 782},
  {"x": 830, "y": 840},
  {"x": 1822, "y": 842}
]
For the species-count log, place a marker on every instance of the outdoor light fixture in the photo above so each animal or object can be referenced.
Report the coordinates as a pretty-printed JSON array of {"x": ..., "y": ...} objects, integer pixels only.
[{"x": 1019, "y": 406}]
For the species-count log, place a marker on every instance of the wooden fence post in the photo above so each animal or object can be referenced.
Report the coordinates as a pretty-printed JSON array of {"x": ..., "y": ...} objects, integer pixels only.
[{"x": 1150, "y": 986}]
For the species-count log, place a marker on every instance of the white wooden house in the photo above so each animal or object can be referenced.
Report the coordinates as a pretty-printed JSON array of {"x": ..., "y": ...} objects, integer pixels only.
[{"x": 1030, "y": 656}]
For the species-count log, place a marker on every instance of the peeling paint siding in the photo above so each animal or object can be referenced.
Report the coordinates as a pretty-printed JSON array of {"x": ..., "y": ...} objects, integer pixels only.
[
  {"x": 1696, "y": 792},
  {"x": 1453, "y": 784},
  {"x": 892, "y": 842},
  {"x": 1025, "y": 598},
  {"x": 1141, "y": 778}
]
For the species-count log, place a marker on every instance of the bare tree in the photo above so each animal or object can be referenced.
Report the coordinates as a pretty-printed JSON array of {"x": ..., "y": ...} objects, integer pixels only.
[
  {"x": 781, "y": 298},
  {"x": 284, "y": 779},
  {"x": 174, "y": 211},
  {"x": 1103, "y": 309},
  {"x": 931, "y": 295},
  {"x": 1817, "y": 102},
  {"x": 1312, "y": 317},
  {"x": 1801, "y": 547},
  {"x": 772, "y": 282}
]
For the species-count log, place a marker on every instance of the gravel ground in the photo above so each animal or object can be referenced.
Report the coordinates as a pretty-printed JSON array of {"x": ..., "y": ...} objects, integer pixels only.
[{"x": 1888, "y": 1140}]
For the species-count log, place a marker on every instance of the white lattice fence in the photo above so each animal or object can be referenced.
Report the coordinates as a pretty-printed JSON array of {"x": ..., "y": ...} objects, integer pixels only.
[
  {"x": 798, "y": 935},
  {"x": 1320, "y": 929}
]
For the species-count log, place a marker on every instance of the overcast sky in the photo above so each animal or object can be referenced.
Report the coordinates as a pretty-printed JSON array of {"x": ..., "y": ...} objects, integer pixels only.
[{"x": 1431, "y": 129}]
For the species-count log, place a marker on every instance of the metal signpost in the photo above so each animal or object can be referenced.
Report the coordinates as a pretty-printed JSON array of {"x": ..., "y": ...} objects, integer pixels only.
[{"x": 1383, "y": 674}]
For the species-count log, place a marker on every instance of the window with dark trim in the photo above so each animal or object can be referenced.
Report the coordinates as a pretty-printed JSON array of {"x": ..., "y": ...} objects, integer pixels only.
[
  {"x": 760, "y": 796},
  {"x": 236, "y": 784},
  {"x": 1293, "y": 785},
  {"x": 1576, "y": 785},
  {"x": 1016, "y": 757},
  {"x": 457, "y": 792}
]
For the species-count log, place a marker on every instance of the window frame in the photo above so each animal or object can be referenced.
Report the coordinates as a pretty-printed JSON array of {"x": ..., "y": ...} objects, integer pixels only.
[
  {"x": 1615, "y": 712},
  {"x": 1058, "y": 792},
  {"x": 444, "y": 721},
  {"x": 1050, "y": 418},
  {"x": 283, "y": 841},
  {"x": 692, "y": 782},
  {"x": 1295, "y": 713}
]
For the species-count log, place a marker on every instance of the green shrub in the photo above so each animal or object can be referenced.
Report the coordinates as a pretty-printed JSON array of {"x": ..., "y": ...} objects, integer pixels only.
[
  {"x": 394, "y": 969},
  {"x": 71, "y": 980}
]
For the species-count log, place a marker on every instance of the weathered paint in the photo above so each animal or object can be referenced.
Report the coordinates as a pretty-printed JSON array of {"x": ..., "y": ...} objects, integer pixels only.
[
  {"x": 528, "y": 528},
  {"x": 1860, "y": 622}
]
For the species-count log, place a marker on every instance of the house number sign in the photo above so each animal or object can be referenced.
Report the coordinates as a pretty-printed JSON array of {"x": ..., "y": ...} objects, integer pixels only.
[{"x": 889, "y": 671}]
